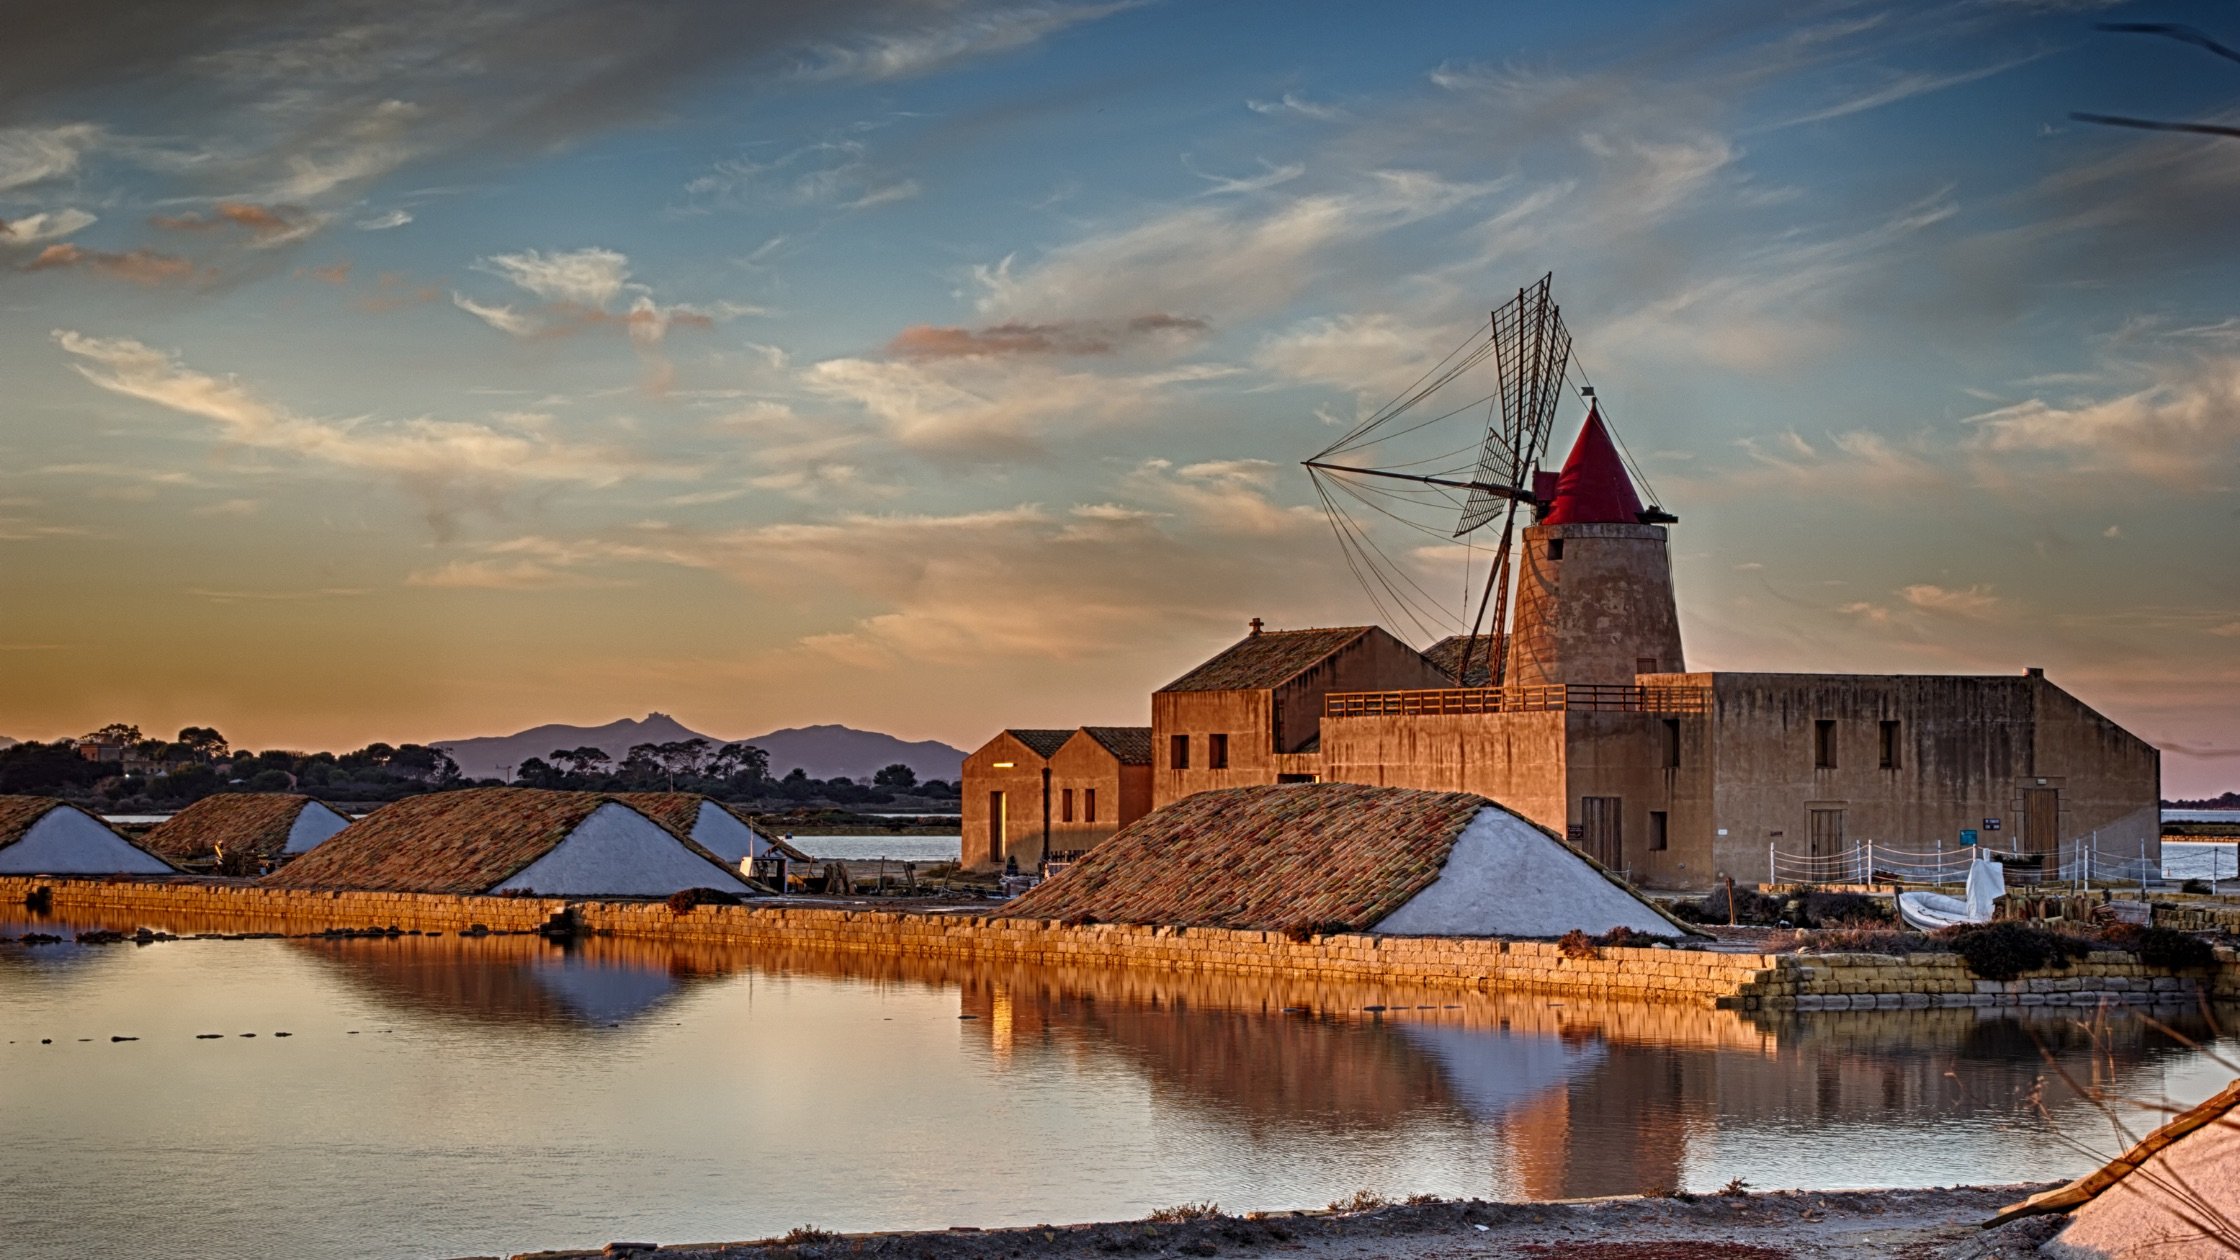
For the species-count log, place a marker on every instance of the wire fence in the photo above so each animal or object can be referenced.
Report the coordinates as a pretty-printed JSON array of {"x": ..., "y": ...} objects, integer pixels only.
[{"x": 2085, "y": 860}]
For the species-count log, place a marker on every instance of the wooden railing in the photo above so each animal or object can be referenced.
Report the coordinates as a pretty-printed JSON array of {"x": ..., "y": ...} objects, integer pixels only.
[{"x": 1453, "y": 701}]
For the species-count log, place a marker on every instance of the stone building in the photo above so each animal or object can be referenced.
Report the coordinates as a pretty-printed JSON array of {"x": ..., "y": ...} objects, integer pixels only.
[
  {"x": 1101, "y": 778},
  {"x": 1253, "y": 714},
  {"x": 1007, "y": 807}
]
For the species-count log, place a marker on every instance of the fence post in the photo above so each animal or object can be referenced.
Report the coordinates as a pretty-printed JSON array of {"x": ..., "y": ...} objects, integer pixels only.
[
  {"x": 2142, "y": 867},
  {"x": 1870, "y": 864},
  {"x": 1773, "y": 869}
]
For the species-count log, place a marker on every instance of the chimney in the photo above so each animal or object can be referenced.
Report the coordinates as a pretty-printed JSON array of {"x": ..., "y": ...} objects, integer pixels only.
[
  {"x": 2035, "y": 671},
  {"x": 1255, "y": 623}
]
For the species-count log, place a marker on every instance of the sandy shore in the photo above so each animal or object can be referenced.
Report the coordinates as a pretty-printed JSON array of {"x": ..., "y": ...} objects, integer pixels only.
[{"x": 1779, "y": 1225}]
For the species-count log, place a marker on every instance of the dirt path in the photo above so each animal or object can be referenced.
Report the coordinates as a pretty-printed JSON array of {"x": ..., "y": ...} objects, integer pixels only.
[{"x": 1781, "y": 1225}]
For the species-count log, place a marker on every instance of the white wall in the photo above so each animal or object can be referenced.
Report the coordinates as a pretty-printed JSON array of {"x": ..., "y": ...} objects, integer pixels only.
[
  {"x": 314, "y": 823},
  {"x": 1506, "y": 877},
  {"x": 619, "y": 852},
  {"x": 68, "y": 841}
]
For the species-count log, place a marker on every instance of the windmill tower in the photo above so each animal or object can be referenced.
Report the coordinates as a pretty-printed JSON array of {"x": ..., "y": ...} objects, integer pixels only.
[{"x": 1594, "y": 587}]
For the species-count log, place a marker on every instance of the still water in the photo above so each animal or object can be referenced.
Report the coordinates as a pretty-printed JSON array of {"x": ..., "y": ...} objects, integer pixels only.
[{"x": 439, "y": 1096}]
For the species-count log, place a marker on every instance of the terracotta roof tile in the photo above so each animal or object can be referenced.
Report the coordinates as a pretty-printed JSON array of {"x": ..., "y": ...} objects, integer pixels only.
[
  {"x": 1131, "y": 744},
  {"x": 468, "y": 841},
  {"x": 17, "y": 813},
  {"x": 1325, "y": 855},
  {"x": 1044, "y": 742},
  {"x": 680, "y": 813},
  {"x": 1267, "y": 659},
  {"x": 1447, "y": 655},
  {"x": 242, "y": 821}
]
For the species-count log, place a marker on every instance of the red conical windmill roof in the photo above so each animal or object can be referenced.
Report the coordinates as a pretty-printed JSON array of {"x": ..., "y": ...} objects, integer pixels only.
[{"x": 1593, "y": 488}]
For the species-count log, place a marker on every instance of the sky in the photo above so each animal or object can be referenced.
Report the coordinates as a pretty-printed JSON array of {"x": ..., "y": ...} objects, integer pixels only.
[{"x": 412, "y": 371}]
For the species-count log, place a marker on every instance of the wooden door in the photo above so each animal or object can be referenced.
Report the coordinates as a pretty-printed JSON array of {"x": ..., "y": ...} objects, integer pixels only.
[
  {"x": 1601, "y": 831},
  {"x": 1826, "y": 833},
  {"x": 2041, "y": 820}
]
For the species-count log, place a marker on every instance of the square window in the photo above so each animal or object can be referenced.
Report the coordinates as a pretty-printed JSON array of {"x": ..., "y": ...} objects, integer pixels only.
[
  {"x": 1555, "y": 549},
  {"x": 1217, "y": 752},
  {"x": 1178, "y": 753}
]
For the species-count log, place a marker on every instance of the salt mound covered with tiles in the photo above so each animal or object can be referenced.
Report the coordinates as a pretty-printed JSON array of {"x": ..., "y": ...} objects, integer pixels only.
[
  {"x": 1332, "y": 857},
  {"x": 41, "y": 836}
]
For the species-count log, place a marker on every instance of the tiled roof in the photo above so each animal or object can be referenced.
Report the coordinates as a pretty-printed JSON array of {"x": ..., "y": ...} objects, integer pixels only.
[
  {"x": 255, "y": 822},
  {"x": 468, "y": 841},
  {"x": 17, "y": 813},
  {"x": 680, "y": 813},
  {"x": 1447, "y": 655},
  {"x": 1323, "y": 855},
  {"x": 1045, "y": 743},
  {"x": 1131, "y": 744},
  {"x": 1267, "y": 659}
]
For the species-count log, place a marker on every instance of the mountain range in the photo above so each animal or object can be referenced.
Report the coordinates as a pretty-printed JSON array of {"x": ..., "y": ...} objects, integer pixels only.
[{"x": 821, "y": 752}]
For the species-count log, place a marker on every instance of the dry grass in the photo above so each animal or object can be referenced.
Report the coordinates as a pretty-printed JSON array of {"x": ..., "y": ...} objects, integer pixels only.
[
  {"x": 1360, "y": 1201},
  {"x": 1181, "y": 1212},
  {"x": 1337, "y": 856}
]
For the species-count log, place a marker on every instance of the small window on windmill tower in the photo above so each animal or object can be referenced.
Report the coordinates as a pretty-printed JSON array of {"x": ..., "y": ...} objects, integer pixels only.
[{"x": 1555, "y": 549}]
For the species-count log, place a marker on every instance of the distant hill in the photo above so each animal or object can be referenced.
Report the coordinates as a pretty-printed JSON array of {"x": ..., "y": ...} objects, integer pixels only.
[
  {"x": 5, "y": 742},
  {"x": 822, "y": 752}
]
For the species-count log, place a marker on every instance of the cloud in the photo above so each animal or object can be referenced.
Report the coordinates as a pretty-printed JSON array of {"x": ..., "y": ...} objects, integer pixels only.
[
  {"x": 503, "y": 318},
  {"x": 35, "y": 155},
  {"x": 384, "y": 221},
  {"x": 2182, "y": 430},
  {"x": 1270, "y": 176},
  {"x": 886, "y": 194},
  {"x": 1068, "y": 337},
  {"x": 267, "y": 225},
  {"x": 452, "y": 464},
  {"x": 1245, "y": 257},
  {"x": 140, "y": 266},
  {"x": 585, "y": 277},
  {"x": 44, "y": 226},
  {"x": 1294, "y": 103},
  {"x": 2229, "y": 630},
  {"x": 502, "y": 575},
  {"x": 1975, "y": 602},
  {"x": 838, "y": 172},
  {"x": 952, "y": 36},
  {"x": 981, "y": 405},
  {"x": 334, "y": 273}
]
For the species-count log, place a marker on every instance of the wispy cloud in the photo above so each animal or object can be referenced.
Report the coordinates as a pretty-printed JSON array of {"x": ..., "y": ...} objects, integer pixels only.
[{"x": 44, "y": 226}]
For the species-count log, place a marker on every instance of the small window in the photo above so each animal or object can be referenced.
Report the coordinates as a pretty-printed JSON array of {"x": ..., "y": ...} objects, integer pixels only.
[
  {"x": 1555, "y": 549},
  {"x": 1178, "y": 756},
  {"x": 1065, "y": 805},
  {"x": 1824, "y": 744},
  {"x": 1659, "y": 829},
  {"x": 1088, "y": 804},
  {"x": 1671, "y": 734},
  {"x": 1217, "y": 752},
  {"x": 1644, "y": 664},
  {"x": 1889, "y": 745}
]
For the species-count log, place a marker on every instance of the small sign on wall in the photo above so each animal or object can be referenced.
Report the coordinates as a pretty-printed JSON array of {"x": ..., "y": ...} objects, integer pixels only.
[
  {"x": 1990, "y": 824},
  {"x": 1967, "y": 836}
]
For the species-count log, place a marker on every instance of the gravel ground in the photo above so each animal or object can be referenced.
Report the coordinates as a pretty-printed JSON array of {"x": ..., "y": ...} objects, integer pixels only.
[{"x": 1778, "y": 1225}]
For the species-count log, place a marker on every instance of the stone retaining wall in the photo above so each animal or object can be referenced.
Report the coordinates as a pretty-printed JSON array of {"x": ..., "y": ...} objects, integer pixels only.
[{"x": 1744, "y": 981}]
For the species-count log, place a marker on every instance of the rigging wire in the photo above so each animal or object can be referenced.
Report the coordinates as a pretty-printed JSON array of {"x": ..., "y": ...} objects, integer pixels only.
[
  {"x": 1394, "y": 406},
  {"x": 1389, "y": 574}
]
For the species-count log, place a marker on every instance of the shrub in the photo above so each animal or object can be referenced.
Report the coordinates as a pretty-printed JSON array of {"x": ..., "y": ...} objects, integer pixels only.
[
  {"x": 1181, "y": 1212},
  {"x": 1843, "y": 909},
  {"x": 1751, "y": 907},
  {"x": 1360, "y": 1201},
  {"x": 2162, "y": 947},
  {"x": 2200, "y": 886},
  {"x": 1864, "y": 940},
  {"x": 2003, "y": 951},
  {"x": 808, "y": 1234},
  {"x": 684, "y": 899},
  {"x": 1577, "y": 944}
]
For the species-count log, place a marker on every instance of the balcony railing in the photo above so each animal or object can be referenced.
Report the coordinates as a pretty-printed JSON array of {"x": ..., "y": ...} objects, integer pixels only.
[{"x": 1457, "y": 701}]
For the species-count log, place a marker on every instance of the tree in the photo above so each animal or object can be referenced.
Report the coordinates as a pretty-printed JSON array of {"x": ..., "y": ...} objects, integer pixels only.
[
  {"x": 123, "y": 734},
  {"x": 204, "y": 742},
  {"x": 428, "y": 765},
  {"x": 582, "y": 762},
  {"x": 537, "y": 772},
  {"x": 895, "y": 778}
]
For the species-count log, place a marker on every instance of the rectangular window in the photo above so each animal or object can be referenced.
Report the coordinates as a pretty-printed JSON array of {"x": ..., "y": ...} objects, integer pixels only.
[
  {"x": 1824, "y": 744},
  {"x": 1889, "y": 745},
  {"x": 1217, "y": 752},
  {"x": 1178, "y": 755},
  {"x": 1671, "y": 734},
  {"x": 1659, "y": 834},
  {"x": 1555, "y": 549},
  {"x": 1644, "y": 664},
  {"x": 1088, "y": 804},
  {"x": 1065, "y": 805}
]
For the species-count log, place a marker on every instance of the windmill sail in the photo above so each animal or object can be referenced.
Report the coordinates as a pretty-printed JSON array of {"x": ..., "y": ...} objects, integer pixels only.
[{"x": 1531, "y": 350}]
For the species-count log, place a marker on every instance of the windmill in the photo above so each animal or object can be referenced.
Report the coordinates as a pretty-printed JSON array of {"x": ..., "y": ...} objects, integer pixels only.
[{"x": 1514, "y": 367}]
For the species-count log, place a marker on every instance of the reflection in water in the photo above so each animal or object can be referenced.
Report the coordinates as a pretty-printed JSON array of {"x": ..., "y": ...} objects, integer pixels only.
[{"x": 442, "y": 1095}]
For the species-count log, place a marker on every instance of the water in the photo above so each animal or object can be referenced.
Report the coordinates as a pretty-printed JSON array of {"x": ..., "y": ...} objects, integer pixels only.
[
  {"x": 871, "y": 848},
  {"x": 2201, "y": 815},
  {"x": 2183, "y": 860},
  {"x": 441, "y": 1096}
]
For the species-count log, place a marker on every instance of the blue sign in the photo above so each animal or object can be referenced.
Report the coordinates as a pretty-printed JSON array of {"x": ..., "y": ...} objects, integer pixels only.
[{"x": 1968, "y": 836}]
